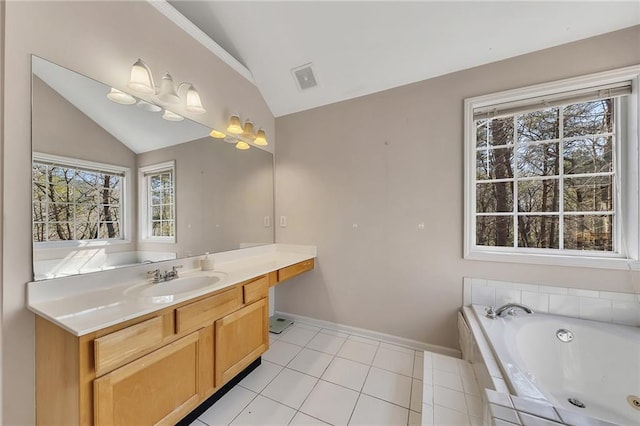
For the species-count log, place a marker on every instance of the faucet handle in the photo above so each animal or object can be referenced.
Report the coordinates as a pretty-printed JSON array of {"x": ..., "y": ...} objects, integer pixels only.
[
  {"x": 174, "y": 271},
  {"x": 156, "y": 275},
  {"x": 491, "y": 313}
]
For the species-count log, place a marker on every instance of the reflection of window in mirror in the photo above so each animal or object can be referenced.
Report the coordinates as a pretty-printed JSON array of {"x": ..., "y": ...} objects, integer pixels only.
[
  {"x": 76, "y": 200},
  {"x": 157, "y": 189}
]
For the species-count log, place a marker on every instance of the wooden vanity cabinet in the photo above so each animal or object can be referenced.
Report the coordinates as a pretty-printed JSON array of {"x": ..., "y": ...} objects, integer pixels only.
[
  {"x": 158, "y": 389},
  {"x": 240, "y": 338},
  {"x": 154, "y": 369},
  {"x": 295, "y": 269}
]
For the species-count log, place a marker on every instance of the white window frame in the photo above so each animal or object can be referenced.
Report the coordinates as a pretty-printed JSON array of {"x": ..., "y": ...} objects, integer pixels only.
[
  {"x": 144, "y": 220},
  {"x": 628, "y": 163},
  {"x": 124, "y": 206}
]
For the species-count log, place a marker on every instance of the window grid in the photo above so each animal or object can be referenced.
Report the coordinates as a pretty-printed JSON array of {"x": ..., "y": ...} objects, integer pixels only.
[
  {"x": 46, "y": 201},
  {"x": 161, "y": 202},
  {"x": 516, "y": 179}
]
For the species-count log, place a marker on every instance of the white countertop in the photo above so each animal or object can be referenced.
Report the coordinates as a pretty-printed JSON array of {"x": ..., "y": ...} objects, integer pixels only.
[{"x": 87, "y": 303}]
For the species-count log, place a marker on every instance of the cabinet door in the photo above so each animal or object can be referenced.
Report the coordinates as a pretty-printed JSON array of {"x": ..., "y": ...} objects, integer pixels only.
[
  {"x": 157, "y": 389},
  {"x": 240, "y": 338}
]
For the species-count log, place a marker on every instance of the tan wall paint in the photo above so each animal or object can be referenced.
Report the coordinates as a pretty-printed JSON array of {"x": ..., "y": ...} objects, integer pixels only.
[
  {"x": 100, "y": 40},
  {"x": 2, "y": 42},
  {"x": 222, "y": 196},
  {"x": 390, "y": 160},
  {"x": 59, "y": 128}
]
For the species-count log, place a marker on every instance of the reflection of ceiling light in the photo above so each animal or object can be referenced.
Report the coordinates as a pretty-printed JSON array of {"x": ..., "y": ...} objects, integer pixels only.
[
  {"x": 171, "y": 116},
  {"x": 242, "y": 145},
  {"x": 141, "y": 80},
  {"x": 217, "y": 134},
  {"x": 119, "y": 97},
  {"x": 144, "y": 105},
  {"x": 261, "y": 138},
  {"x": 235, "y": 126}
]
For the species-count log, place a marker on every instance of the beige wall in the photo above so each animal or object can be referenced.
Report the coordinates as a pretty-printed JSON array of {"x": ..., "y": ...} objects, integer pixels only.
[
  {"x": 59, "y": 128},
  {"x": 2, "y": 41},
  {"x": 391, "y": 160},
  {"x": 100, "y": 40},
  {"x": 222, "y": 194}
]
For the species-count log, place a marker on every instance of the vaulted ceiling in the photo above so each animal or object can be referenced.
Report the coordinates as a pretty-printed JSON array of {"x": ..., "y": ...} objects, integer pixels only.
[{"x": 360, "y": 47}]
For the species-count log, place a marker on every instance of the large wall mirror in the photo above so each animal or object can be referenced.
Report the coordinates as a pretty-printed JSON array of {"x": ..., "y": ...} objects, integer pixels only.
[{"x": 115, "y": 185}]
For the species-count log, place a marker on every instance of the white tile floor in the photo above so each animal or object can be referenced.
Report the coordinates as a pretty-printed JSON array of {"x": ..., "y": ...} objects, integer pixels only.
[{"x": 319, "y": 376}]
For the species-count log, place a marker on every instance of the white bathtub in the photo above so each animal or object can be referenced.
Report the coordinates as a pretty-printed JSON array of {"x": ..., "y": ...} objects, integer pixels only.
[{"x": 600, "y": 367}]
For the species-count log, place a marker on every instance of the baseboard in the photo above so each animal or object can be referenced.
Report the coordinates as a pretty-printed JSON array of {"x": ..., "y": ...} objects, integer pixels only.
[{"x": 401, "y": 341}]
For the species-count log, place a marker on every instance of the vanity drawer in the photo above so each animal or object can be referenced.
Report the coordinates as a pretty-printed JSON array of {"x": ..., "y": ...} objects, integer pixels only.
[
  {"x": 117, "y": 348},
  {"x": 207, "y": 310},
  {"x": 296, "y": 269},
  {"x": 256, "y": 289}
]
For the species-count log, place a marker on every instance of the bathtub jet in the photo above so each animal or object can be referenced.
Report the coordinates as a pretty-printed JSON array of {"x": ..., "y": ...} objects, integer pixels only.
[{"x": 595, "y": 373}]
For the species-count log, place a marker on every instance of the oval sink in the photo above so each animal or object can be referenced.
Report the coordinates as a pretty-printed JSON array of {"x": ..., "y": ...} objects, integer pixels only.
[{"x": 167, "y": 291}]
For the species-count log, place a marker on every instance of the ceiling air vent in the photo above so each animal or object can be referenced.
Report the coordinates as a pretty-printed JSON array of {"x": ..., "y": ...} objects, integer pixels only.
[{"x": 305, "y": 78}]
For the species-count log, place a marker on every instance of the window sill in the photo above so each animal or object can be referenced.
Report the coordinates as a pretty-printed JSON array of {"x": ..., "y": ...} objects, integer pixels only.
[
  {"x": 555, "y": 260},
  {"x": 77, "y": 244},
  {"x": 161, "y": 240}
]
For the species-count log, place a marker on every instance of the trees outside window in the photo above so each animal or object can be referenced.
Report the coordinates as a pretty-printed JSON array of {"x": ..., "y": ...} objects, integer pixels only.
[
  {"x": 552, "y": 172},
  {"x": 72, "y": 203},
  {"x": 545, "y": 178}
]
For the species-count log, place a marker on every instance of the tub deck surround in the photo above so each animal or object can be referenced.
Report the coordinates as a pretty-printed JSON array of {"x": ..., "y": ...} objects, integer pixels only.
[
  {"x": 503, "y": 409},
  {"x": 87, "y": 303},
  {"x": 599, "y": 367}
]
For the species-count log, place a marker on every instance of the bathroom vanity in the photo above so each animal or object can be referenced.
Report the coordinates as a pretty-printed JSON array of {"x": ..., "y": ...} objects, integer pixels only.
[{"x": 112, "y": 355}]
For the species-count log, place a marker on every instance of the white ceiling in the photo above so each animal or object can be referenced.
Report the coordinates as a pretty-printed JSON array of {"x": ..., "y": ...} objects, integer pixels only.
[
  {"x": 139, "y": 130},
  {"x": 361, "y": 47}
]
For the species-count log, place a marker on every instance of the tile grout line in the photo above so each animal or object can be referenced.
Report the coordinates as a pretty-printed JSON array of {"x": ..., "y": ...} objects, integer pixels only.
[
  {"x": 353, "y": 410},
  {"x": 346, "y": 337}
]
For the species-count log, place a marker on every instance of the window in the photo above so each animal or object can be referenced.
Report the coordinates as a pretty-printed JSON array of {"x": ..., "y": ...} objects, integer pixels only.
[
  {"x": 158, "y": 202},
  {"x": 546, "y": 174},
  {"x": 76, "y": 200}
]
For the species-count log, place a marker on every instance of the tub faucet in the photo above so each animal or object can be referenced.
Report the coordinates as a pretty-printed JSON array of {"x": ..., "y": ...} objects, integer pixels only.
[{"x": 510, "y": 308}]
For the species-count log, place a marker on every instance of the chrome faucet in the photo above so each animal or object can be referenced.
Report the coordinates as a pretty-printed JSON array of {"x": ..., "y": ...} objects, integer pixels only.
[
  {"x": 509, "y": 308},
  {"x": 159, "y": 277},
  {"x": 173, "y": 274}
]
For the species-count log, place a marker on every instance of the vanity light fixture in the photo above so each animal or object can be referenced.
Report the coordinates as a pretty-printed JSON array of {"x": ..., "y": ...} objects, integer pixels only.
[
  {"x": 235, "y": 125},
  {"x": 240, "y": 134},
  {"x": 141, "y": 80},
  {"x": 193, "y": 102},
  {"x": 261, "y": 138},
  {"x": 217, "y": 134},
  {"x": 147, "y": 106},
  {"x": 247, "y": 130},
  {"x": 167, "y": 93},
  {"x": 120, "y": 97},
  {"x": 242, "y": 145},
  {"x": 171, "y": 116}
]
